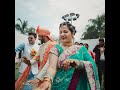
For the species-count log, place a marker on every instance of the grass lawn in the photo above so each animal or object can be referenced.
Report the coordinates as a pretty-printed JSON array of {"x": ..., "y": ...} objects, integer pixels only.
[{"x": 16, "y": 70}]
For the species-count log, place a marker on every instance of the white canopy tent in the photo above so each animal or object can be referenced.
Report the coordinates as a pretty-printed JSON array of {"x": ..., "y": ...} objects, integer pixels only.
[
  {"x": 91, "y": 42},
  {"x": 20, "y": 38}
]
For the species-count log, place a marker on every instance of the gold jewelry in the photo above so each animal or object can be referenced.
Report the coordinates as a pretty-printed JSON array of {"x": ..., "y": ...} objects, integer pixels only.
[
  {"x": 48, "y": 75},
  {"x": 50, "y": 80},
  {"x": 80, "y": 66}
]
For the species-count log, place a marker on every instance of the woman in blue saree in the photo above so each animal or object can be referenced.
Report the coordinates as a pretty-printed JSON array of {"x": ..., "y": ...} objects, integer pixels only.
[{"x": 71, "y": 66}]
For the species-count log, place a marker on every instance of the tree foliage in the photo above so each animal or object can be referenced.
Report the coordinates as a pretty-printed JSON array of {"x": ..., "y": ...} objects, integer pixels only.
[
  {"x": 22, "y": 26},
  {"x": 95, "y": 28}
]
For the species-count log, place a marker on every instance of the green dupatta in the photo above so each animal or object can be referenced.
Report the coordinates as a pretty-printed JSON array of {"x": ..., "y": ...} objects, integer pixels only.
[{"x": 63, "y": 78}]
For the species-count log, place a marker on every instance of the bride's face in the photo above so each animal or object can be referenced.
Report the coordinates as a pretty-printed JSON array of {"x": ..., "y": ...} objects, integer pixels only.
[{"x": 65, "y": 34}]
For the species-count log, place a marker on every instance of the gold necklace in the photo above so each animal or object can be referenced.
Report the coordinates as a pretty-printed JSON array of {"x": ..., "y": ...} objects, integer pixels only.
[{"x": 66, "y": 47}]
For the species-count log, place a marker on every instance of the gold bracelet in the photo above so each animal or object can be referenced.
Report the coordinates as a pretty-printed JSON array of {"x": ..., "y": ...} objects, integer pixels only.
[
  {"x": 47, "y": 80},
  {"x": 48, "y": 75}
]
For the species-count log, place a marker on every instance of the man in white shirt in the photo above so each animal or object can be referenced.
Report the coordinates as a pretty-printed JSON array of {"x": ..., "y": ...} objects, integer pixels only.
[{"x": 27, "y": 48}]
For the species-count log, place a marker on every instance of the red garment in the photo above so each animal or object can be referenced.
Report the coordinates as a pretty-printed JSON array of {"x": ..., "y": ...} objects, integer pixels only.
[
  {"x": 92, "y": 54},
  {"x": 19, "y": 84},
  {"x": 38, "y": 64}
]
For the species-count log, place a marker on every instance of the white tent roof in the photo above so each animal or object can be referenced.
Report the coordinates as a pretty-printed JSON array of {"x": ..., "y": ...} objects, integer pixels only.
[
  {"x": 20, "y": 38},
  {"x": 91, "y": 42}
]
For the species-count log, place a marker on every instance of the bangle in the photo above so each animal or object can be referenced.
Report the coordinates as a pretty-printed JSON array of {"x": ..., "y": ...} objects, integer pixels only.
[
  {"x": 48, "y": 80},
  {"x": 80, "y": 66},
  {"x": 48, "y": 75}
]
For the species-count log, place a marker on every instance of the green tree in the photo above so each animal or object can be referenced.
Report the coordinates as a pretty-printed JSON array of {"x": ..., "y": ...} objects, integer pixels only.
[
  {"x": 95, "y": 28},
  {"x": 31, "y": 29},
  {"x": 22, "y": 26}
]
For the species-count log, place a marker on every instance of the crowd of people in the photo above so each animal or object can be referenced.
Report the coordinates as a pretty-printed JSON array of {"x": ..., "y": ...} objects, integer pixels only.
[{"x": 67, "y": 65}]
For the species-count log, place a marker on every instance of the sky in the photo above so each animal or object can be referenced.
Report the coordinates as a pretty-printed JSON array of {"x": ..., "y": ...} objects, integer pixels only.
[{"x": 48, "y": 13}]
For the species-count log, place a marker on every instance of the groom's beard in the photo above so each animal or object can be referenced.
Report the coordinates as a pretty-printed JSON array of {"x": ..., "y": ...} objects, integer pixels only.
[{"x": 42, "y": 40}]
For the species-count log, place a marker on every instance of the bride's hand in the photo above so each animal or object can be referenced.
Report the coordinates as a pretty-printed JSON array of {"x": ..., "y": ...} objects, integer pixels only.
[
  {"x": 66, "y": 64},
  {"x": 74, "y": 63},
  {"x": 33, "y": 82},
  {"x": 45, "y": 85},
  {"x": 77, "y": 64}
]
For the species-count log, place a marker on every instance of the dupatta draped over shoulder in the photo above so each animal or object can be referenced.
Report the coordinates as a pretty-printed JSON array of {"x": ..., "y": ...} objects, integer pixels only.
[{"x": 74, "y": 79}]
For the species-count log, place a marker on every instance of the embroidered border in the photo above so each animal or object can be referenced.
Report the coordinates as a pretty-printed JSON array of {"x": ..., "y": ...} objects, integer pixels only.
[{"x": 90, "y": 74}]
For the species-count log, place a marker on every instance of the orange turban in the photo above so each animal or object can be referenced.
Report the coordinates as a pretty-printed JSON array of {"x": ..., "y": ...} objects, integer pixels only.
[{"x": 43, "y": 32}]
